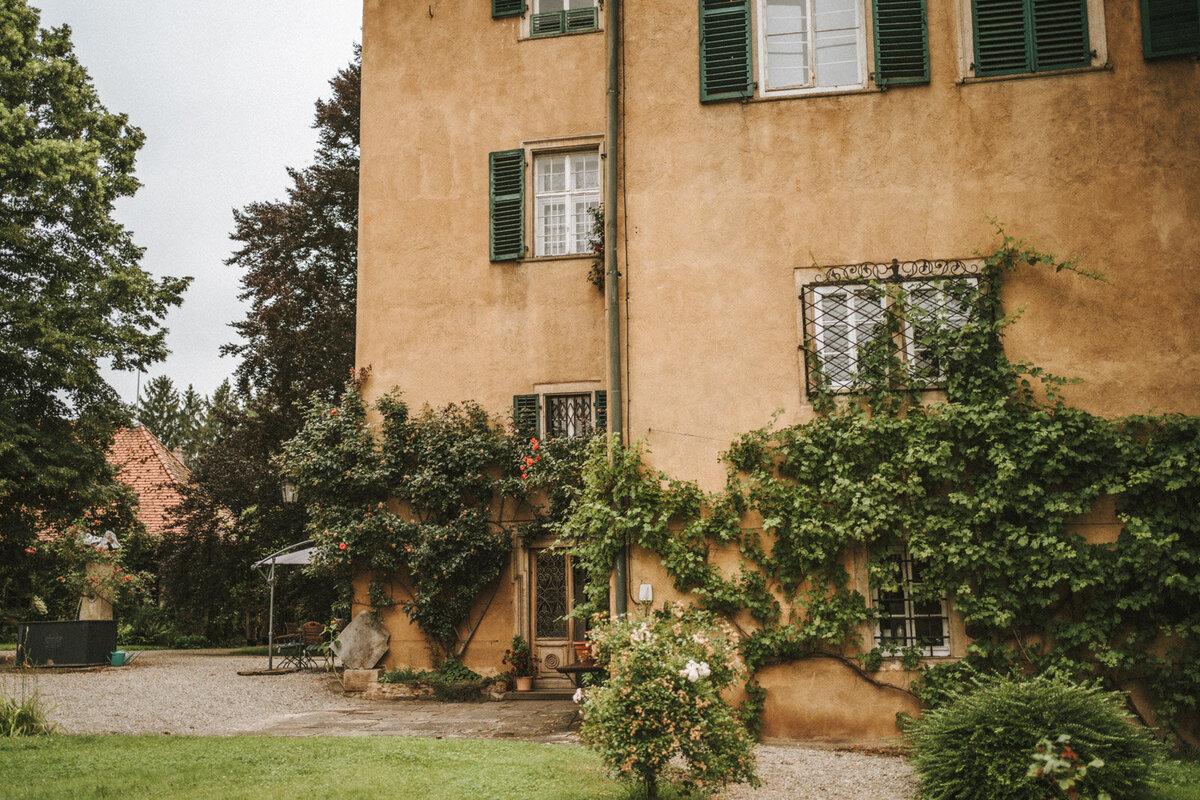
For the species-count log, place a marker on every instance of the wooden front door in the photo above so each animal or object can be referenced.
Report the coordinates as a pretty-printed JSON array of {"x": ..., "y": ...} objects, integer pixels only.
[{"x": 557, "y": 587}]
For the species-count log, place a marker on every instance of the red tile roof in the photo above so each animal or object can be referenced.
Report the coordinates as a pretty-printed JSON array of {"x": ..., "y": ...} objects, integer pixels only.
[{"x": 156, "y": 476}]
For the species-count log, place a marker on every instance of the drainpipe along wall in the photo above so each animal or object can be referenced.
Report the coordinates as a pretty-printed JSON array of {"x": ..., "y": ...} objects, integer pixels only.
[{"x": 616, "y": 405}]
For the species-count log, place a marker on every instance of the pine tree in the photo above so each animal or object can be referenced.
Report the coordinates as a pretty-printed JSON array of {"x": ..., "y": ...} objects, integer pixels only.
[{"x": 158, "y": 410}]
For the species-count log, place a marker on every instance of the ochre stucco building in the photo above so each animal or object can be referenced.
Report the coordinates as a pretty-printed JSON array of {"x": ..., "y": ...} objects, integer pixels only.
[{"x": 760, "y": 144}]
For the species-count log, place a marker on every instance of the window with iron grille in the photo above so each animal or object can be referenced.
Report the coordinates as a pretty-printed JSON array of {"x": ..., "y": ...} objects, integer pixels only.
[
  {"x": 568, "y": 416},
  {"x": 561, "y": 414},
  {"x": 909, "y": 618},
  {"x": 884, "y": 311}
]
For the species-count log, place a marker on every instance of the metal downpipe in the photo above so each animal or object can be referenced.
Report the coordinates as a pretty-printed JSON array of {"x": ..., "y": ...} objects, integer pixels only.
[{"x": 616, "y": 417}]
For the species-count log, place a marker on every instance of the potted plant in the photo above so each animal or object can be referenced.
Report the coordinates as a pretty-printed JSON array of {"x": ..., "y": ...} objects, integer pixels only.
[
  {"x": 583, "y": 653},
  {"x": 522, "y": 663}
]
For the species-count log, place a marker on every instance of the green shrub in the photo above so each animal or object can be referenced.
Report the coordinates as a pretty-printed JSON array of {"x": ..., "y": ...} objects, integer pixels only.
[
  {"x": 980, "y": 744},
  {"x": 403, "y": 675},
  {"x": 25, "y": 717},
  {"x": 453, "y": 670},
  {"x": 189, "y": 641},
  {"x": 455, "y": 683},
  {"x": 452, "y": 682}
]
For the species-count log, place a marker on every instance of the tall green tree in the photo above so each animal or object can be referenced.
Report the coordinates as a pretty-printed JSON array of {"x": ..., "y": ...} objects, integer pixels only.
[
  {"x": 73, "y": 295},
  {"x": 298, "y": 258},
  {"x": 158, "y": 409},
  {"x": 194, "y": 409}
]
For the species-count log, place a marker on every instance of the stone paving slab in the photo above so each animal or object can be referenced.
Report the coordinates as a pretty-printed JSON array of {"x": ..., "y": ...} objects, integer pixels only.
[{"x": 526, "y": 720}]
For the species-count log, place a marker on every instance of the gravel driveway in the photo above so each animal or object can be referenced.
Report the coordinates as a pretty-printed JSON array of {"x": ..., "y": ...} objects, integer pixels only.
[{"x": 200, "y": 693}]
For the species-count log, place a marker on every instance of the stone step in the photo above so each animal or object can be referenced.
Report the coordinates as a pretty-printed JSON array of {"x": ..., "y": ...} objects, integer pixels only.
[{"x": 541, "y": 694}]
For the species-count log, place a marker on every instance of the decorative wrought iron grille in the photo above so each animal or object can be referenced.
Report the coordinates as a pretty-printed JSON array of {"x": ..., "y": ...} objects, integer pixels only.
[
  {"x": 550, "y": 613},
  {"x": 908, "y": 619},
  {"x": 568, "y": 415},
  {"x": 902, "y": 309}
]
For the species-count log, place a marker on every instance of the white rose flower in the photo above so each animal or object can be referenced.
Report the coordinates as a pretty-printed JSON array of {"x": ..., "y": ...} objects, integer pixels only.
[{"x": 578, "y": 696}]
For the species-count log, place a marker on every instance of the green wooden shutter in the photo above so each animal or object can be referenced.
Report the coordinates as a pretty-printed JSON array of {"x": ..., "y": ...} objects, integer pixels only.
[
  {"x": 1013, "y": 36},
  {"x": 506, "y": 190},
  {"x": 581, "y": 19},
  {"x": 1060, "y": 34},
  {"x": 550, "y": 23},
  {"x": 1001, "y": 37},
  {"x": 525, "y": 414},
  {"x": 507, "y": 8},
  {"x": 600, "y": 408},
  {"x": 901, "y": 42},
  {"x": 1170, "y": 28},
  {"x": 725, "y": 50}
]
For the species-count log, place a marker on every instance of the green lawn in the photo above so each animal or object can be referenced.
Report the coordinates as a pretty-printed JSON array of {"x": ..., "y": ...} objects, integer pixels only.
[
  {"x": 1177, "y": 780},
  {"x": 261, "y": 767}
]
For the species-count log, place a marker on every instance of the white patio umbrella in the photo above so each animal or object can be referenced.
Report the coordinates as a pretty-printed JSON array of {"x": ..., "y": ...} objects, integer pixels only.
[{"x": 297, "y": 554}]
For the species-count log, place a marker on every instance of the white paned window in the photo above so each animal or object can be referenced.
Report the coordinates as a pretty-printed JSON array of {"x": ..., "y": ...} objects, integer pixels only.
[
  {"x": 934, "y": 306},
  {"x": 908, "y": 619},
  {"x": 811, "y": 45},
  {"x": 566, "y": 189},
  {"x": 847, "y": 317}
]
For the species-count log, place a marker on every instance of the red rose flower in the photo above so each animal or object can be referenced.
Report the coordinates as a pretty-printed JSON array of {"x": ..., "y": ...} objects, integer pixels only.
[
  {"x": 528, "y": 461},
  {"x": 342, "y": 546},
  {"x": 333, "y": 412}
]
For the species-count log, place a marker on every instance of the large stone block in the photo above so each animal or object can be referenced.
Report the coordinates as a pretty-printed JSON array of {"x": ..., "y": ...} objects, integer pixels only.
[
  {"x": 357, "y": 680},
  {"x": 362, "y": 643}
]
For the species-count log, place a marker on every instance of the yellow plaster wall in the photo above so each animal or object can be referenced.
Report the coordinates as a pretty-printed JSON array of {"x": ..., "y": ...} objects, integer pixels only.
[
  {"x": 825, "y": 699},
  {"x": 408, "y": 647},
  {"x": 435, "y": 317},
  {"x": 1102, "y": 165},
  {"x": 721, "y": 205}
]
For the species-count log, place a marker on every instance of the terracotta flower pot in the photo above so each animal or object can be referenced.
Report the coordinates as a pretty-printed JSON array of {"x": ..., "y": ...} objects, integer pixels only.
[
  {"x": 583, "y": 653},
  {"x": 524, "y": 684}
]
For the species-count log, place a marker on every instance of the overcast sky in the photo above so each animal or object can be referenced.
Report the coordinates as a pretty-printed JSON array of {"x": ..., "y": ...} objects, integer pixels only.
[{"x": 224, "y": 91}]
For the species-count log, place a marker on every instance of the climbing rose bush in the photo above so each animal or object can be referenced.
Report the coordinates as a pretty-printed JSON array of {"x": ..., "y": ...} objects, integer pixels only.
[{"x": 663, "y": 699}]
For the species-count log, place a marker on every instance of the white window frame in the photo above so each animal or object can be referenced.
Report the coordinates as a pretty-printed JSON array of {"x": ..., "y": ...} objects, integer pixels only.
[
  {"x": 816, "y": 333},
  {"x": 760, "y": 53},
  {"x": 912, "y": 356},
  {"x": 1097, "y": 41},
  {"x": 821, "y": 333},
  {"x": 570, "y": 194},
  {"x": 910, "y": 616}
]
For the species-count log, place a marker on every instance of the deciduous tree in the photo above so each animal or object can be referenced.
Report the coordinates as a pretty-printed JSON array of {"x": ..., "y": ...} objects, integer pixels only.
[{"x": 73, "y": 295}]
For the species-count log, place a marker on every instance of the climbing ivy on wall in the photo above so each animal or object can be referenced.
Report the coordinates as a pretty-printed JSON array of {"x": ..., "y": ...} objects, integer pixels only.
[
  {"x": 427, "y": 503},
  {"x": 980, "y": 485}
]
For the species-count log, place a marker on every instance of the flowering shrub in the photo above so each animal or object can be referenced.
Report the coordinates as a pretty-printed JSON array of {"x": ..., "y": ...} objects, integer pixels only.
[
  {"x": 428, "y": 501},
  {"x": 520, "y": 659},
  {"x": 663, "y": 699},
  {"x": 93, "y": 570}
]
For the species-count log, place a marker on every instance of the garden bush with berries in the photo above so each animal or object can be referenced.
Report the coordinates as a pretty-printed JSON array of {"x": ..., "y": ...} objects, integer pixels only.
[{"x": 984, "y": 743}]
